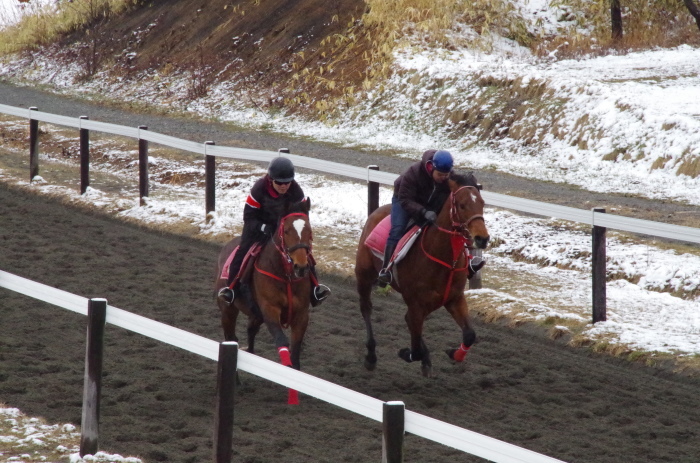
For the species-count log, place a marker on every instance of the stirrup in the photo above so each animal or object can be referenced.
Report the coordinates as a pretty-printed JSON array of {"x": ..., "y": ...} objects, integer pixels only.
[
  {"x": 475, "y": 264},
  {"x": 226, "y": 294},
  {"x": 384, "y": 277},
  {"x": 321, "y": 292}
]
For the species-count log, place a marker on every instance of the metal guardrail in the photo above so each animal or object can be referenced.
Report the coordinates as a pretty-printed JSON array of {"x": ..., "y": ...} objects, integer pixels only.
[{"x": 645, "y": 227}]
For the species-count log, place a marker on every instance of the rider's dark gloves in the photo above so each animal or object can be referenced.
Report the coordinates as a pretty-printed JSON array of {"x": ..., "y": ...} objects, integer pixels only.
[
  {"x": 430, "y": 216},
  {"x": 266, "y": 229}
]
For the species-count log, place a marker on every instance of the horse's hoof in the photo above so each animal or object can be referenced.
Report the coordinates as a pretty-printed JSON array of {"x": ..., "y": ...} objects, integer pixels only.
[
  {"x": 405, "y": 354},
  {"x": 451, "y": 353},
  {"x": 427, "y": 371},
  {"x": 370, "y": 364}
]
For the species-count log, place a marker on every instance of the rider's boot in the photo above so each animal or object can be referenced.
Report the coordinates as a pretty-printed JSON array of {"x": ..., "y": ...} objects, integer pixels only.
[
  {"x": 475, "y": 264},
  {"x": 384, "y": 277}
]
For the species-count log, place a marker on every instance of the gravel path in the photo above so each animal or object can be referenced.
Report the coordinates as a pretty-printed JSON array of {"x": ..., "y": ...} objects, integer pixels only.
[{"x": 158, "y": 402}]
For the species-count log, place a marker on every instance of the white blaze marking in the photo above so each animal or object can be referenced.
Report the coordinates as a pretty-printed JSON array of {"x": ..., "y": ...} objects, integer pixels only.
[{"x": 299, "y": 226}]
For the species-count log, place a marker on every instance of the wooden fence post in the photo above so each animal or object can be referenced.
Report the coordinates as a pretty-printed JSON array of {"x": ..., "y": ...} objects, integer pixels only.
[
  {"x": 210, "y": 180},
  {"x": 33, "y": 146},
  {"x": 143, "y": 168},
  {"x": 372, "y": 193},
  {"x": 84, "y": 158},
  {"x": 475, "y": 281},
  {"x": 226, "y": 388},
  {"x": 92, "y": 384},
  {"x": 393, "y": 430},
  {"x": 598, "y": 270}
]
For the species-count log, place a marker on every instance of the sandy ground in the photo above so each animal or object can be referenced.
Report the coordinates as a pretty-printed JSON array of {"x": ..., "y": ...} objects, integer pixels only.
[{"x": 158, "y": 402}]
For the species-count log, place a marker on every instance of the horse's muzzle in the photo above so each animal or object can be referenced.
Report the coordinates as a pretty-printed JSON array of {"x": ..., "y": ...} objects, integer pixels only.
[
  {"x": 300, "y": 271},
  {"x": 480, "y": 242}
]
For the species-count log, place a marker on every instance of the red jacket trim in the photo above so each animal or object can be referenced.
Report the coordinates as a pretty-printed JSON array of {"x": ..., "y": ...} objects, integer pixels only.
[{"x": 252, "y": 202}]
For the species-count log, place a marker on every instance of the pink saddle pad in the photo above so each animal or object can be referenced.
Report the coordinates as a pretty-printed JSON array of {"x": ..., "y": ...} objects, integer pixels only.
[
  {"x": 224, "y": 270},
  {"x": 376, "y": 240}
]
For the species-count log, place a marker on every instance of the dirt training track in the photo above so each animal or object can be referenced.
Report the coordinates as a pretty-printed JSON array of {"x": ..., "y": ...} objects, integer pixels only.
[{"x": 158, "y": 401}]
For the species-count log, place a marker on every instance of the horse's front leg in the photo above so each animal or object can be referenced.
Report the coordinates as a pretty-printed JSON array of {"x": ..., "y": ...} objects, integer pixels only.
[
  {"x": 418, "y": 350},
  {"x": 300, "y": 322},
  {"x": 460, "y": 312},
  {"x": 286, "y": 357}
]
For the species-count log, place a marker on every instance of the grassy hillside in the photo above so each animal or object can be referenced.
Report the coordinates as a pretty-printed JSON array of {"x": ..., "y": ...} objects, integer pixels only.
[
  {"x": 335, "y": 62},
  {"x": 311, "y": 55}
]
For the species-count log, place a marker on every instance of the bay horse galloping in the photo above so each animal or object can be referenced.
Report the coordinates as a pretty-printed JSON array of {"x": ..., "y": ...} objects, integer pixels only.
[
  {"x": 279, "y": 289},
  {"x": 433, "y": 272}
]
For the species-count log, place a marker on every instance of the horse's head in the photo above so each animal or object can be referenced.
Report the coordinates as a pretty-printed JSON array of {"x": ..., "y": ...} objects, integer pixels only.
[
  {"x": 293, "y": 238},
  {"x": 467, "y": 209}
]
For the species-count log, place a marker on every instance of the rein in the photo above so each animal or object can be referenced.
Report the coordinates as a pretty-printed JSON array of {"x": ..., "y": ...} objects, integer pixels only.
[
  {"x": 460, "y": 239},
  {"x": 287, "y": 263}
]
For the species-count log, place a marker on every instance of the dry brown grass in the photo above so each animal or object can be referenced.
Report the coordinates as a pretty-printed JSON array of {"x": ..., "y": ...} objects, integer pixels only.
[
  {"x": 44, "y": 24},
  {"x": 689, "y": 166},
  {"x": 647, "y": 23}
]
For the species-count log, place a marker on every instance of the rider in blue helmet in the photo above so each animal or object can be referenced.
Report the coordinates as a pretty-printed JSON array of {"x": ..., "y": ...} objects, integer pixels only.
[
  {"x": 419, "y": 194},
  {"x": 442, "y": 161}
]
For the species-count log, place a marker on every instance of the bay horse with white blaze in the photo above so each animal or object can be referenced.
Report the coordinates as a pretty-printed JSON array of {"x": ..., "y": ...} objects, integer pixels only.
[
  {"x": 279, "y": 289},
  {"x": 433, "y": 273}
]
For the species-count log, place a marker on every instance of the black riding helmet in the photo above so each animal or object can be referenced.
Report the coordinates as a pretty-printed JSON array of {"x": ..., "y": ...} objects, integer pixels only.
[{"x": 281, "y": 170}]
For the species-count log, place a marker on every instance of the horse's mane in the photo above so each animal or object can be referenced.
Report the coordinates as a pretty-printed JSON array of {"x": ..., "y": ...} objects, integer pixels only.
[
  {"x": 294, "y": 207},
  {"x": 298, "y": 206},
  {"x": 467, "y": 179}
]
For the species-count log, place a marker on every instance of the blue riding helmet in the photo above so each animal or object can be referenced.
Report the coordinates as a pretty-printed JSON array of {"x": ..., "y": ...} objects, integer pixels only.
[{"x": 442, "y": 161}]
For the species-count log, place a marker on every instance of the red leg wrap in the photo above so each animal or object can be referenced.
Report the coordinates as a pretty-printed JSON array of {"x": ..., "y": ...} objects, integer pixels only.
[
  {"x": 461, "y": 353},
  {"x": 293, "y": 396},
  {"x": 284, "y": 356}
]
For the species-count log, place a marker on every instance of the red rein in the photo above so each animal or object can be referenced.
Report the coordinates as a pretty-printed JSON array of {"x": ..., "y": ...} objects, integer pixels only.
[
  {"x": 288, "y": 268},
  {"x": 459, "y": 239}
]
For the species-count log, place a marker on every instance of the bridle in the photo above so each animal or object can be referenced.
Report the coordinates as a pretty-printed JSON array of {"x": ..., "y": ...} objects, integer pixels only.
[
  {"x": 457, "y": 226},
  {"x": 287, "y": 262},
  {"x": 286, "y": 251},
  {"x": 460, "y": 239}
]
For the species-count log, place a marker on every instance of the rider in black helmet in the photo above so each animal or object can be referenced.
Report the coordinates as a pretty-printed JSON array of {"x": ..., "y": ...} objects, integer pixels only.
[{"x": 261, "y": 213}]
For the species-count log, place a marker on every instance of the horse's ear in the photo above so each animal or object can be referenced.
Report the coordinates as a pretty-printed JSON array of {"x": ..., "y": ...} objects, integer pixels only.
[
  {"x": 306, "y": 204},
  {"x": 452, "y": 183}
]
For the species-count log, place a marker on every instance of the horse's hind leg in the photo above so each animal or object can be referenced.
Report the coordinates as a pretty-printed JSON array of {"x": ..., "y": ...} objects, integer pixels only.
[
  {"x": 460, "y": 312},
  {"x": 364, "y": 289},
  {"x": 229, "y": 314},
  {"x": 255, "y": 319},
  {"x": 254, "y": 324}
]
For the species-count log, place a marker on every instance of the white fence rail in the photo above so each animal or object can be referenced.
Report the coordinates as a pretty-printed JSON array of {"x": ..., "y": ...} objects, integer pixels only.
[
  {"x": 369, "y": 407},
  {"x": 645, "y": 227}
]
